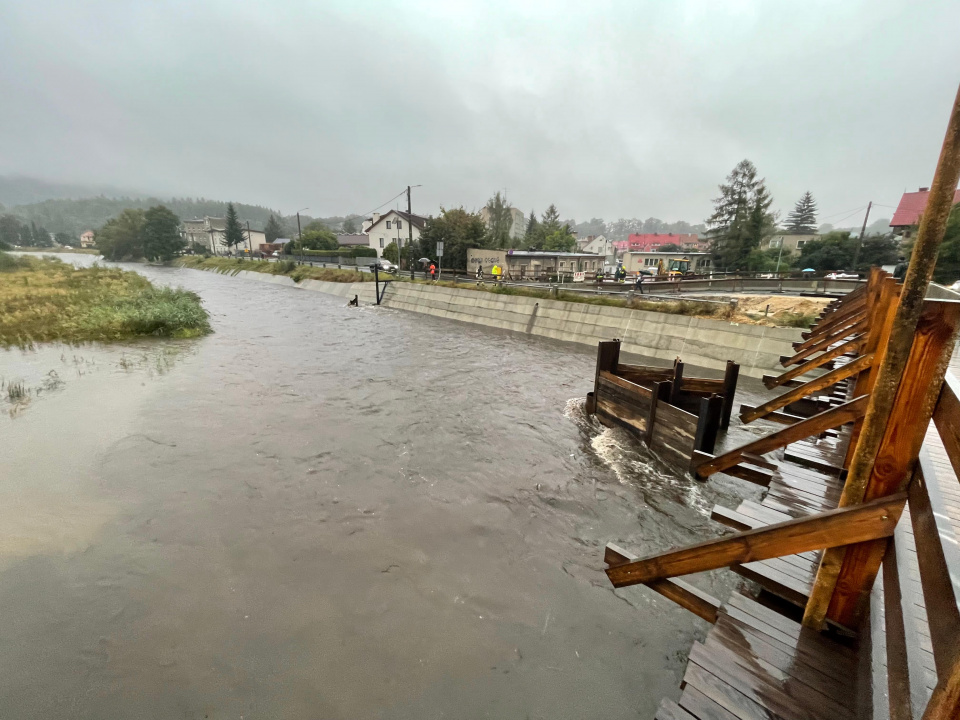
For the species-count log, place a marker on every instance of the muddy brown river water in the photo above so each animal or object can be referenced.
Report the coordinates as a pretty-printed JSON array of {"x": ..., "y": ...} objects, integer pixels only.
[{"x": 329, "y": 512}]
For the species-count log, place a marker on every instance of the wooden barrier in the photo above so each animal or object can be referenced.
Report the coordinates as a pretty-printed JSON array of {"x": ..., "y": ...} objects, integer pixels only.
[{"x": 674, "y": 414}]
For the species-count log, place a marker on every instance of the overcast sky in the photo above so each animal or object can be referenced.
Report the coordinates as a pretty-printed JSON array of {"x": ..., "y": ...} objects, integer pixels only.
[{"x": 608, "y": 109}]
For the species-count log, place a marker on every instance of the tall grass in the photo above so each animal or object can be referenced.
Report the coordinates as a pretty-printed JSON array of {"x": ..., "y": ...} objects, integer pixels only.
[
  {"x": 43, "y": 300},
  {"x": 299, "y": 273}
]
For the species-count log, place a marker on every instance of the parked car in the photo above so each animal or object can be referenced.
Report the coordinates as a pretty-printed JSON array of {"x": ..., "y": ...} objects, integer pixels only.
[
  {"x": 841, "y": 276},
  {"x": 386, "y": 266}
]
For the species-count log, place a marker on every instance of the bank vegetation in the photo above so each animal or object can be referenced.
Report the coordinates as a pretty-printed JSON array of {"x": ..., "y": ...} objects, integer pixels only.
[
  {"x": 290, "y": 268},
  {"x": 44, "y": 299}
]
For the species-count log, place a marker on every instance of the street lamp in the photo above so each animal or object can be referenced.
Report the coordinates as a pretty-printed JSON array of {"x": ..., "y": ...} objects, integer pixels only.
[{"x": 299, "y": 233}]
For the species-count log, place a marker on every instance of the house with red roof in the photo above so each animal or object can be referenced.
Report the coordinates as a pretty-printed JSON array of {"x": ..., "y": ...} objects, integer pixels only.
[
  {"x": 652, "y": 242},
  {"x": 911, "y": 206}
]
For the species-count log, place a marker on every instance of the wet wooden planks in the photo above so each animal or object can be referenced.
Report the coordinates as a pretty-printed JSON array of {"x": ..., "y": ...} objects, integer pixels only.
[{"x": 755, "y": 664}]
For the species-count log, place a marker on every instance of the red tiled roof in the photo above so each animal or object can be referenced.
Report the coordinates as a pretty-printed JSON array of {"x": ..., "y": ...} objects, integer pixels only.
[
  {"x": 911, "y": 205},
  {"x": 651, "y": 241}
]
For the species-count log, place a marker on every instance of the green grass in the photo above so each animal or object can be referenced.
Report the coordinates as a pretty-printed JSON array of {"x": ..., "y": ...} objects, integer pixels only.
[
  {"x": 299, "y": 273},
  {"x": 58, "y": 249},
  {"x": 43, "y": 300}
]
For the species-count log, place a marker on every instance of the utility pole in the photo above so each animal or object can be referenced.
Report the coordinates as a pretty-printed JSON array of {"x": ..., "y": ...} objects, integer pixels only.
[
  {"x": 856, "y": 253},
  {"x": 409, "y": 233},
  {"x": 299, "y": 235},
  {"x": 249, "y": 241}
]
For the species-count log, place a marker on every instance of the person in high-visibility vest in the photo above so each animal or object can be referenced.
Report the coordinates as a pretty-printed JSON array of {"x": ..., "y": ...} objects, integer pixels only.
[{"x": 496, "y": 272}]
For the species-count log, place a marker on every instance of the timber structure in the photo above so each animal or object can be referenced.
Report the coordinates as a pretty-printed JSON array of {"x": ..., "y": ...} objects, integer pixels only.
[{"x": 675, "y": 414}]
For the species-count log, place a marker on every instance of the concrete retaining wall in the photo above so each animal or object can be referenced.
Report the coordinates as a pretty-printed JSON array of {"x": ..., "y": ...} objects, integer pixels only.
[{"x": 705, "y": 343}]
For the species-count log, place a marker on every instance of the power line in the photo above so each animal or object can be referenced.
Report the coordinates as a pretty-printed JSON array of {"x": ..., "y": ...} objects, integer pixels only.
[
  {"x": 402, "y": 192},
  {"x": 851, "y": 212}
]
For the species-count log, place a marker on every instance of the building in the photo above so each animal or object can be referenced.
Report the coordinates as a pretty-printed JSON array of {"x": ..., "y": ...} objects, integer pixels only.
[
  {"x": 787, "y": 241},
  {"x": 599, "y": 245},
  {"x": 634, "y": 262},
  {"x": 210, "y": 232},
  {"x": 911, "y": 206},
  {"x": 88, "y": 239},
  {"x": 518, "y": 228},
  {"x": 275, "y": 247},
  {"x": 649, "y": 242},
  {"x": 353, "y": 240},
  {"x": 381, "y": 230},
  {"x": 534, "y": 264}
]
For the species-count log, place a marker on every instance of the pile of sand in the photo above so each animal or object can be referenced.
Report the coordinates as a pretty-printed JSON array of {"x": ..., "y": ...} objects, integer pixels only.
[{"x": 781, "y": 303}]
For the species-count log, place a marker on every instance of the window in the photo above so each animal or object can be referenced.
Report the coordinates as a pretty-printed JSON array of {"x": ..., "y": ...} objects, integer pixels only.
[
  {"x": 381, "y": 243},
  {"x": 388, "y": 224},
  {"x": 801, "y": 243},
  {"x": 399, "y": 225},
  {"x": 561, "y": 264}
]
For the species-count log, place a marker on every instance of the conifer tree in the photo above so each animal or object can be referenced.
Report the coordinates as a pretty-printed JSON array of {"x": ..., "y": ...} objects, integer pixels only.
[
  {"x": 803, "y": 219},
  {"x": 233, "y": 235},
  {"x": 741, "y": 217},
  {"x": 273, "y": 229}
]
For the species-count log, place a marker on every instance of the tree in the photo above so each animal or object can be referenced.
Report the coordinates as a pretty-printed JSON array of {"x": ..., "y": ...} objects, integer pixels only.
[
  {"x": 803, "y": 219},
  {"x": 833, "y": 251},
  {"x": 948, "y": 260},
  {"x": 550, "y": 220},
  {"x": 392, "y": 253},
  {"x": 532, "y": 235},
  {"x": 273, "y": 229},
  {"x": 161, "y": 234},
  {"x": 233, "y": 234},
  {"x": 121, "y": 238},
  {"x": 654, "y": 225},
  {"x": 319, "y": 239},
  {"x": 62, "y": 238},
  {"x": 741, "y": 217},
  {"x": 12, "y": 231},
  {"x": 670, "y": 247},
  {"x": 560, "y": 241},
  {"x": 499, "y": 222},
  {"x": 349, "y": 226},
  {"x": 458, "y": 230},
  {"x": 39, "y": 237}
]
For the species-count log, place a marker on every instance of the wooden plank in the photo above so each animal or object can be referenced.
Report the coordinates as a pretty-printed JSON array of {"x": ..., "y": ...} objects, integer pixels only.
[
  {"x": 725, "y": 695},
  {"x": 708, "y": 423},
  {"x": 938, "y": 560},
  {"x": 731, "y": 518},
  {"x": 608, "y": 355},
  {"x": 776, "y": 581},
  {"x": 703, "y": 707},
  {"x": 731, "y": 374},
  {"x": 630, "y": 387},
  {"x": 758, "y": 476},
  {"x": 830, "y": 378},
  {"x": 836, "y": 527},
  {"x": 853, "y": 345},
  {"x": 832, "y": 325},
  {"x": 914, "y": 400},
  {"x": 669, "y": 710},
  {"x": 702, "y": 385},
  {"x": 825, "y": 343},
  {"x": 946, "y": 416},
  {"x": 904, "y": 669},
  {"x": 685, "y": 595},
  {"x": 831, "y": 418},
  {"x": 945, "y": 701}
]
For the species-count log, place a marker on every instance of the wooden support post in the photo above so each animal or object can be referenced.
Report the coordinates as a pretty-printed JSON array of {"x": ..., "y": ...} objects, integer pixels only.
[
  {"x": 841, "y": 334},
  {"x": 708, "y": 423},
  {"x": 852, "y": 345},
  {"x": 945, "y": 701},
  {"x": 608, "y": 357},
  {"x": 730, "y": 376},
  {"x": 848, "y": 575},
  {"x": 843, "y": 526},
  {"x": 677, "y": 381}
]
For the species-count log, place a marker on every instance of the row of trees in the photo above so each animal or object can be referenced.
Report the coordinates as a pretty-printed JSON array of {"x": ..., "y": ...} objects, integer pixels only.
[
  {"x": 153, "y": 234},
  {"x": 15, "y": 232}
]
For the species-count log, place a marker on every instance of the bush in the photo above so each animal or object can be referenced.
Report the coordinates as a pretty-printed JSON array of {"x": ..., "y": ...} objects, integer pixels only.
[{"x": 345, "y": 252}]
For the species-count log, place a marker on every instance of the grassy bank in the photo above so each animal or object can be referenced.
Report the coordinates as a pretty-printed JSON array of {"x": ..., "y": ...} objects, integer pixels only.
[
  {"x": 43, "y": 299},
  {"x": 231, "y": 266},
  {"x": 58, "y": 249}
]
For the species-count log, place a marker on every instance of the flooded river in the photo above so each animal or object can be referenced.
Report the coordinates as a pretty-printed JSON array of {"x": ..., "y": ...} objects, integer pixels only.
[{"x": 329, "y": 512}]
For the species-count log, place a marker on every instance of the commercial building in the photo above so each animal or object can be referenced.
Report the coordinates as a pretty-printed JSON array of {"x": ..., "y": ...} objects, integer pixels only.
[
  {"x": 533, "y": 264},
  {"x": 393, "y": 226},
  {"x": 634, "y": 262}
]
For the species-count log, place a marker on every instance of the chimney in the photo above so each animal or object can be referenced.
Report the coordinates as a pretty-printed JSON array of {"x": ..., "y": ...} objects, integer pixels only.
[
  {"x": 376, "y": 218},
  {"x": 926, "y": 189}
]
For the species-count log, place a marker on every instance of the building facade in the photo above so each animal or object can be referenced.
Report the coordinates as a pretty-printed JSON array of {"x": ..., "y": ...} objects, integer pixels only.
[
  {"x": 634, "y": 262},
  {"x": 88, "y": 239},
  {"x": 518, "y": 226},
  {"x": 534, "y": 265},
  {"x": 393, "y": 226},
  {"x": 787, "y": 241},
  {"x": 911, "y": 206},
  {"x": 651, "y": 242},
  {"x": 210, "y": 232}
]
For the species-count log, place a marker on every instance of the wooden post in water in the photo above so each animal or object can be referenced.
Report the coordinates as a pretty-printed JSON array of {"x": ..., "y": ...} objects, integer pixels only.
[{"x": 932, "y": 226}]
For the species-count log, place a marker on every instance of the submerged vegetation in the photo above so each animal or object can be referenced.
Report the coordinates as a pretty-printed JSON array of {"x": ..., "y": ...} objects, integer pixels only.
[
  {"x": 231, "y": 266},
  {"x": 44, "y": 300}
]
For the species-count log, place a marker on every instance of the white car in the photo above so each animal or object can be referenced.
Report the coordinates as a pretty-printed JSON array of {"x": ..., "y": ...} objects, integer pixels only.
[
  {"x": 841, "y": 276},
  {"x": 386, "y": 265}
]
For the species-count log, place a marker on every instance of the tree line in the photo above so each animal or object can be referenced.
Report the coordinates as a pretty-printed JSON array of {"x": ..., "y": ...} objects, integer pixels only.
[{"x": 14, "y": 232}]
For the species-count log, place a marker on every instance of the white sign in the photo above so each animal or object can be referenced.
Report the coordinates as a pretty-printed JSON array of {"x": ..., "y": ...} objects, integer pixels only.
[
  {"x": 578, "y": 276},
  {"x": 439, "y": 249}
]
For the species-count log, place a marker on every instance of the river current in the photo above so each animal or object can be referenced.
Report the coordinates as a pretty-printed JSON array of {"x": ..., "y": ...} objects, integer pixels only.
[{"x": 322, "y": 511}]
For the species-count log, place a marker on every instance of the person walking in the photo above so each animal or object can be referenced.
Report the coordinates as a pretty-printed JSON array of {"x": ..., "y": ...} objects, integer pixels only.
[
  {"x": 433, "y": 272},
  {"x": 599, "y": 275},
  {"x": 496, "y": 272},
  {"x": 479, "y": 275},
  {"x": 900, "y": 271}
]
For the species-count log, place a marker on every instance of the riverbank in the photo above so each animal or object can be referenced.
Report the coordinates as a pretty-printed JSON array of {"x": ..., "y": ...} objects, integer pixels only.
[
  {"x": 287, "y": 268},
  {"x": 702, "y": 342},
  {"x": 44, "y": 300}
]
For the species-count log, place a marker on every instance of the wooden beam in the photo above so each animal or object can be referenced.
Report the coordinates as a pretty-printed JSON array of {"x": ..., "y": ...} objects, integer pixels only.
[
  {"x": 853, "y": 345},
  {"x": 817, "y": 337},
  {"x": 775, "y": 416},
  {"x": 824, "y": 381},
  {"x": 841, "y": 334},
  {"x": 944, "y": 703},
  {"x": 946, "y": 416},
  {"x": 836, "y": 318},
  {"x": 683, "y": 594},
  {"x": 834, "y": 417},
  {"x": 731, "y": 374},
  {"x": 843, "y": 526},
  {"x": 708, "y": 423},
  {"x": 914, "y": 401}
]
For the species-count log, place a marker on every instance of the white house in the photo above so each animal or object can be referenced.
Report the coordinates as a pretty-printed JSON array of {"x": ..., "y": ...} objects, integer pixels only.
[
  {"x": 393, "y": 226},
  {"x": 599, "y": 245}
]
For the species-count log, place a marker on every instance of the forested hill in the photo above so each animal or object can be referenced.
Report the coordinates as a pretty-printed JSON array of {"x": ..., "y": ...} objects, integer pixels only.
[{"x": 76, "y": 216}]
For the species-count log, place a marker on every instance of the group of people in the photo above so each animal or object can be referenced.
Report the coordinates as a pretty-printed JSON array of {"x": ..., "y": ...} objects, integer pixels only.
[{"x": 496, "y": 271}]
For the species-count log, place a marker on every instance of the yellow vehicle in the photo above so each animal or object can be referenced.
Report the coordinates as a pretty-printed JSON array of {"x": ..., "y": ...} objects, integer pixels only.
[{"x": 678, "y": 268}]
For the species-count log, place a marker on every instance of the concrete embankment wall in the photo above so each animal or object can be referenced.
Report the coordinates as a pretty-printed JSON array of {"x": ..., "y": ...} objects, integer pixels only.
[{"x": 701, "y": 342}]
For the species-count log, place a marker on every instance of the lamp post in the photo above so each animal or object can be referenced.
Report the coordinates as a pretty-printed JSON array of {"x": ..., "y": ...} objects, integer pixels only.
[{"x": 300, "y": 233}]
